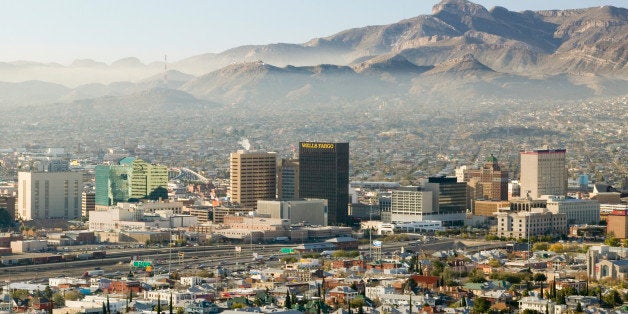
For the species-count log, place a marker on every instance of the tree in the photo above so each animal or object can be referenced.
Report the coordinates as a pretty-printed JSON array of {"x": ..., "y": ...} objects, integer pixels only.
[
  {"x": 158, "y": 193},
  {"x": 170, "y": 304},
  {"x": 438, "y": 268},
  {"x": 481, "y": 305},
  {"x": 410, "y": 285},
  {"x": 612, "y": 298},
  {"x": 578, "y": 307},
  {"x": 539, "y": 277},
  {"x": 73, "y": 295},
  {"x": 356, "y": 302},
  {"x": 288, "y": 303},
  {"x": 463, "y": 302},
  {"x": 158, "y": 304},
  {"x": 611, "y": 240},
  {"x": 557, "y": 247},
  {"x": 6, "y": 221},
  {"x": 57, "y": 299},
  {"x": 494, "y": 263},
  {"x": 477, "y": 276},
  {"x": 540, "y": 246}
]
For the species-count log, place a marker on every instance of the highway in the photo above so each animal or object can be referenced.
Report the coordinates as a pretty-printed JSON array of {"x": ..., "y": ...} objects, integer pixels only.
[{"x": 187, "y": 257}]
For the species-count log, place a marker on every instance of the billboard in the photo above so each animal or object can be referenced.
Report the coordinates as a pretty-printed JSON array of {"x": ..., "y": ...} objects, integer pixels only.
[{"x": 377, "y": 243}]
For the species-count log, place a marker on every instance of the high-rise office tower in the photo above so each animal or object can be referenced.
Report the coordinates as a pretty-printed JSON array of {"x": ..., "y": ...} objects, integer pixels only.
[
  {"x": 451, "y": 198},
  {"x": 543, "y": 172},
  {"x": 493, "y": 180},
  {"x": 46, "y": 195},
  {"x": 253, "y": 177},
  {"x": 324, "y": 173},
  {"x": 131, "y": 178},
  {"x": 288, "y": 179}
]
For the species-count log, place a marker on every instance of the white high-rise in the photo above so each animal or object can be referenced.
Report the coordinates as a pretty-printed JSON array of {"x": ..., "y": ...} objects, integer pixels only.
[
  {"x": 543, "y": 172},
  {"x": 47, "y": 195}
]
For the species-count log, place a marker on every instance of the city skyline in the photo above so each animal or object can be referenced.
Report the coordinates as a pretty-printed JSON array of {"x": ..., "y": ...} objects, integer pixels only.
[{"x": 64, "y": 31}]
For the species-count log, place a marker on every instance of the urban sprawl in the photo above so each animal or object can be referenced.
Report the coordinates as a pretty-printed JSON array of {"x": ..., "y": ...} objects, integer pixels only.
[{"x": 302, "y": 232}]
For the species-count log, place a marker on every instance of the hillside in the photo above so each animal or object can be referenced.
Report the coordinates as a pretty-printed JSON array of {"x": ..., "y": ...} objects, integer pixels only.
[{"x": 472, "y": 50}]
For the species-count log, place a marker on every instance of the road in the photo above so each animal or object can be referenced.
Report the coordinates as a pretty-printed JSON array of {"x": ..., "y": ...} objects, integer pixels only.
[{"x": 210, "y": 256}]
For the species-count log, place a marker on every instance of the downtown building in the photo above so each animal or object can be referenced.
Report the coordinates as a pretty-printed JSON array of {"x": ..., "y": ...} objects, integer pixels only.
[
  {"x": 578, "y": 211},
  {"x": 288, "y": 179},
  {"x": 440, "y": 199},
  {"x": 487, "y": 183},
  {"x": 131, "y": 179},
  {"x": 543, "y": 172},
  {"x": 88, "y": 203},
  {"x": 297, "y": 211},
  {"x": 324, "y": 174},
  {"x": 253, "y": 177},
  {"x": 49, "y": 195},
  {"x": 536, "y": 222}
]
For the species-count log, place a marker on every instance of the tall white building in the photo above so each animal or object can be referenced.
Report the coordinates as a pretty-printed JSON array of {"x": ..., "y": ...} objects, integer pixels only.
[
  {"x": 543, "y": 172},
  {"x": 47, "y": 195}
]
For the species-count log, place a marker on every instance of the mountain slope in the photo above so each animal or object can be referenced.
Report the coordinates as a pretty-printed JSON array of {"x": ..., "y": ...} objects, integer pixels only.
[{"x": 30, "y": 93}]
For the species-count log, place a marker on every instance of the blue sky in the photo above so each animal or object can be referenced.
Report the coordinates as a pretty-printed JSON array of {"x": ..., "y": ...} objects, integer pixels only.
[{"x": 107, "y": 30}]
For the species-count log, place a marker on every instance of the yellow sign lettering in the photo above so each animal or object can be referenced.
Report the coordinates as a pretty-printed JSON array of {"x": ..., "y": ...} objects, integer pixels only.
[{"x": 318, "y": 145}]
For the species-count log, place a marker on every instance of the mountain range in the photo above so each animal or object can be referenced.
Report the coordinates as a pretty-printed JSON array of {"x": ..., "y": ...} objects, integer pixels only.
[{"x": 461, "y": 50}]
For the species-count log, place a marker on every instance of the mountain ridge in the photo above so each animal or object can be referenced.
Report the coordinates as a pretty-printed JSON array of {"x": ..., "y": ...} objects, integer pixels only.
[{"x": 460, "y": 41}]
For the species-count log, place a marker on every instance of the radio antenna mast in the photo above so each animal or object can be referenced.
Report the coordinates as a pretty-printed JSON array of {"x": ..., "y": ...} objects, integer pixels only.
[{"x": 166, "y": 71}]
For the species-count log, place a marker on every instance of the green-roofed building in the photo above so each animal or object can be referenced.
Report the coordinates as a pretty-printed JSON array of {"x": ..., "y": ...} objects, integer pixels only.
[{"x": 132, "y": 178}]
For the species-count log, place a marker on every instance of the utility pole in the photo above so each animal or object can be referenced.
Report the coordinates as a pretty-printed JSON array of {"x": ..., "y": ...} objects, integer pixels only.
[
  {"x": 370, "y": 229},
  {"x": 170, "y": 250}
]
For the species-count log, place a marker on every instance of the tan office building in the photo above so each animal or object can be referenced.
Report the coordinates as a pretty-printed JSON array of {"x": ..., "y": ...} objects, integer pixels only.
[
  {"x": 253, "y": 177},
  {"x": 543, "y": 172},
  {"x": 492, "y": 179},
  {"x": 617, "y": 223},
  {"x": 488, "y": 208},
  {"x": 539, "y": 221}
]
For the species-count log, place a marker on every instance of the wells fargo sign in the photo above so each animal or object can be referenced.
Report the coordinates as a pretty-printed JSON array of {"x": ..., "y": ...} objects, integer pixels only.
[{"x": 318, "y": 145}]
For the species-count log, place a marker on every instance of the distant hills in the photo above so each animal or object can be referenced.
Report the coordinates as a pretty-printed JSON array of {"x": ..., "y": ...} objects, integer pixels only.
[{"x": 461, "y": 50}]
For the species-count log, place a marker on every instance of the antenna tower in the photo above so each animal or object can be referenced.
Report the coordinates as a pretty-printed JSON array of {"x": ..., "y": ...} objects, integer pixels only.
[{"x": 166, "y": 70}]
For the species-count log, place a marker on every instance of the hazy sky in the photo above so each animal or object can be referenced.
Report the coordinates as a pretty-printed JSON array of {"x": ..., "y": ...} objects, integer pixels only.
[{"x": 107, "y": 30}]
